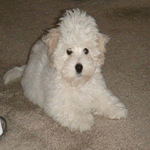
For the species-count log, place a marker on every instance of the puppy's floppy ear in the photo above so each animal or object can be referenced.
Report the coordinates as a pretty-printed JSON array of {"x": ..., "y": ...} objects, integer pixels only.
[
  {"x": 102, "y": 40},
  {"x": 51, "y": 40}
]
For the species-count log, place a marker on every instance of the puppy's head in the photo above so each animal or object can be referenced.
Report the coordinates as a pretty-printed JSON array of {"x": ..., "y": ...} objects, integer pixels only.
[{"x": 76, "y": 48}]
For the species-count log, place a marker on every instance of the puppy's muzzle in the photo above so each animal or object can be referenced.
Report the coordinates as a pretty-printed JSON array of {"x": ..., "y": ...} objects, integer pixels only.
[{"x": 79, "y": 68}]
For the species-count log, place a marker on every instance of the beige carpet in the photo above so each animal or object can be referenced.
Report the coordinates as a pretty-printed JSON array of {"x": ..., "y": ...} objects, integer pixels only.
[{"x": 126, "y": 71}]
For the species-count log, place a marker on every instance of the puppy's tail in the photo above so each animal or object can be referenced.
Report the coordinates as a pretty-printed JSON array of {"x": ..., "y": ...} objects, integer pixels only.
[{"x": 13, "y": 74}]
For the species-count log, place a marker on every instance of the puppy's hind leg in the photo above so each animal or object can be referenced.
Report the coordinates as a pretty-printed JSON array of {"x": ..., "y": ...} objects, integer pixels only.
[{"x": 13, "y": 74}]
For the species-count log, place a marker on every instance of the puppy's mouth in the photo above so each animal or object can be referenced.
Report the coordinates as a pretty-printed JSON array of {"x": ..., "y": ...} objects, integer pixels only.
[
  {"x": 76, "y": 74},
  {"x": 79, "y": 75}
]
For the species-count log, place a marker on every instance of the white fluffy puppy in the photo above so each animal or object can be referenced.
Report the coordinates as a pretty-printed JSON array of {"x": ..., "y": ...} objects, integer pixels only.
[{"x": 63, "y": 74}]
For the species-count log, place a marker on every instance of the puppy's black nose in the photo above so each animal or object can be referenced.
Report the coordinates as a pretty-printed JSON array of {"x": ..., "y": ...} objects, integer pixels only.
[{"x": 79, "y": 68}]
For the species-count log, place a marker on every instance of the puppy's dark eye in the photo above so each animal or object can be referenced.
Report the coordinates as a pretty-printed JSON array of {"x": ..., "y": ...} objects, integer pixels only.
[
  {"x": 69, "y": 51},
  {"x": 86, "y": 51}
]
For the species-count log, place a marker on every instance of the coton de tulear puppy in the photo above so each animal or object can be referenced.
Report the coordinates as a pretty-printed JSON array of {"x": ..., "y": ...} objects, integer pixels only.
[{"x": 63, "y": 74}]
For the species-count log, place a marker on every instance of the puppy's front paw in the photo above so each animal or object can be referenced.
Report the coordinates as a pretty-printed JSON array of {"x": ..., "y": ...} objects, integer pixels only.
[
  {"x": 81, "y": 123},
  {"x": 118, "y": 111}
]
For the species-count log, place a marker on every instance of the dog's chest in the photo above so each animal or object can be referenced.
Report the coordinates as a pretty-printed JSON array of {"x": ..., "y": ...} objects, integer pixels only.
[{"x": 80, "y": 96}]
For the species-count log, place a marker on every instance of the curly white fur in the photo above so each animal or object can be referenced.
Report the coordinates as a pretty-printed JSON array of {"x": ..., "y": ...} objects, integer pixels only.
[{"x": 51, "y": 80}]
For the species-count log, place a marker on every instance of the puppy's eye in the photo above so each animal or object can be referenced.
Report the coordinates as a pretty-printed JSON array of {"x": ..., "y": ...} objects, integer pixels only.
[
  {"x": 86, "y": 51},
  {"x": 69, "y": 51}
]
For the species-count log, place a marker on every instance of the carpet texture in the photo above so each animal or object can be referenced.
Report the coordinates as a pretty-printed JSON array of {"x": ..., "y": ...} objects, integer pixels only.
[{"x": 126, "y": 71}]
